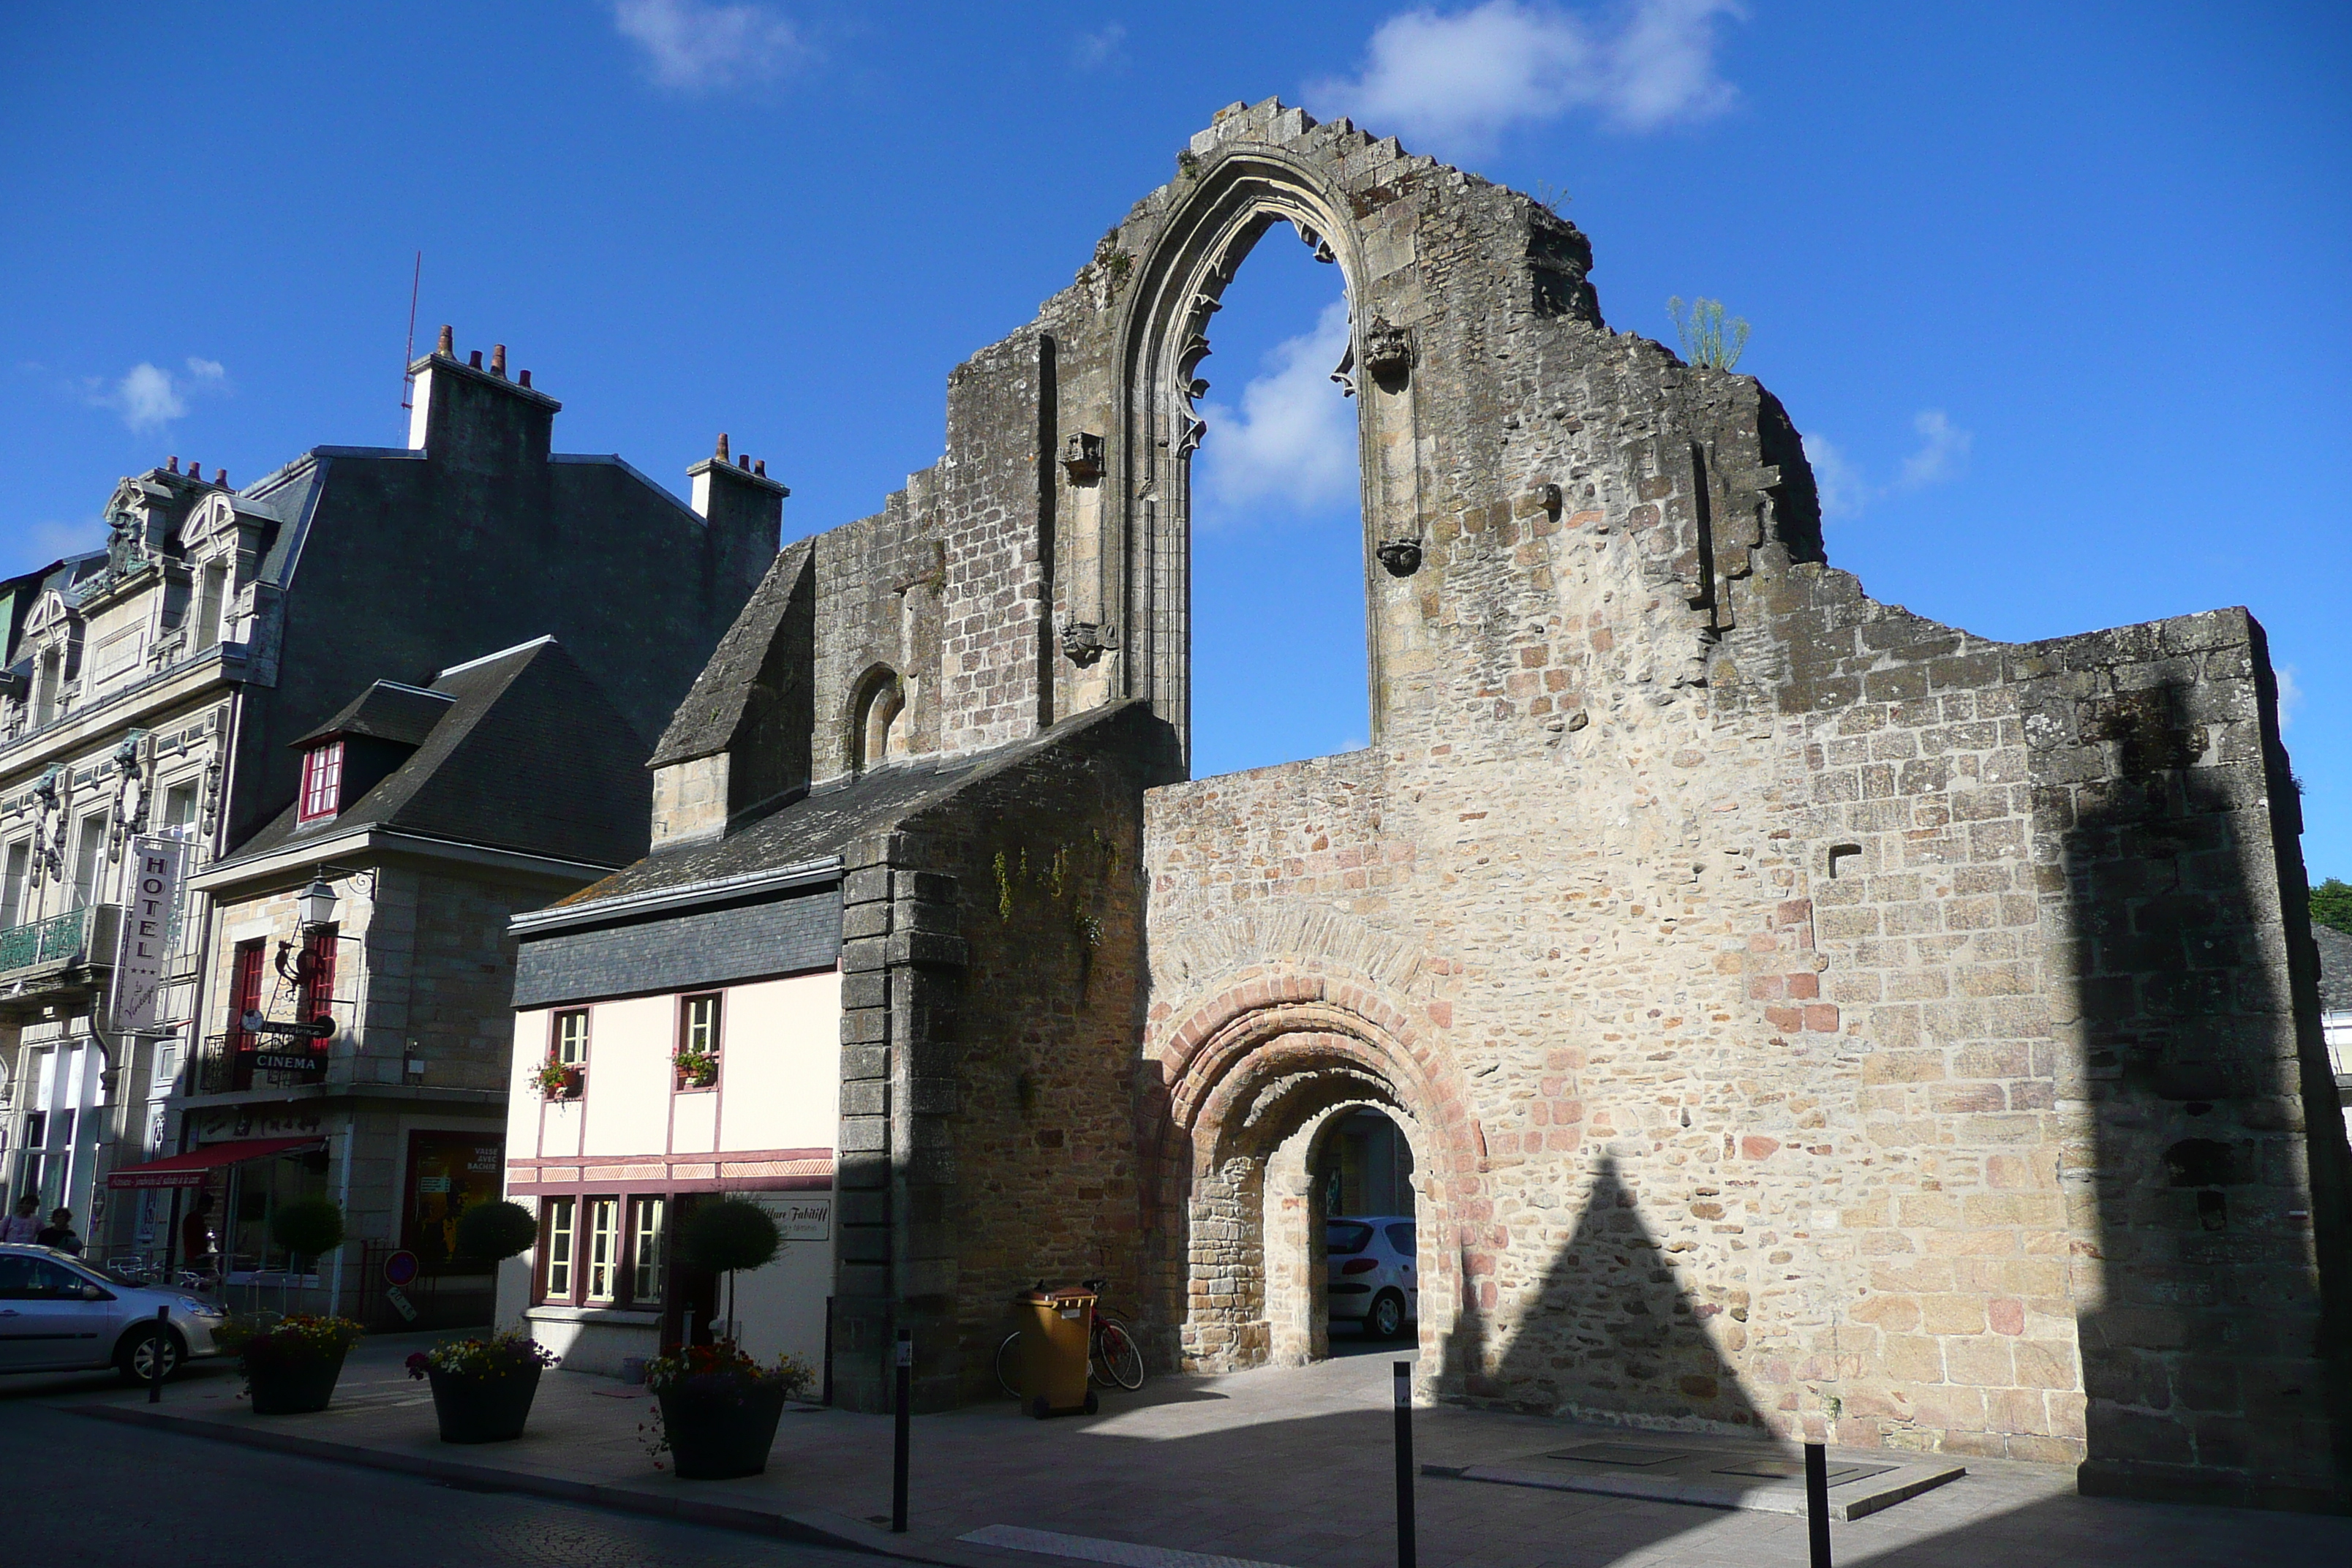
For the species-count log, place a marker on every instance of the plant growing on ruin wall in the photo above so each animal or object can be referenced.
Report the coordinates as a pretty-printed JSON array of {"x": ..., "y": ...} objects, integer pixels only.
[{"x": 1709, "y": 340}]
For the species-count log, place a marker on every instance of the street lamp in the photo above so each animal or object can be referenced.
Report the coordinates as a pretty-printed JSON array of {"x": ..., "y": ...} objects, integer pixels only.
[{"x": 316, "y": 904}]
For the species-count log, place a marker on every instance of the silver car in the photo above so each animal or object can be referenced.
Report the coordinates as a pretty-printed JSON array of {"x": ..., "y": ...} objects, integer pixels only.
[
  {"x": 1372, "y": 1277},
  {"x": 63, "y": 1313}
]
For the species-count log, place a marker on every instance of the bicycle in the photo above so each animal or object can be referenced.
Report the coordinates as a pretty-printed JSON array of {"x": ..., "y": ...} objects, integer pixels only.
[{"x": 1113, "y": 1357}]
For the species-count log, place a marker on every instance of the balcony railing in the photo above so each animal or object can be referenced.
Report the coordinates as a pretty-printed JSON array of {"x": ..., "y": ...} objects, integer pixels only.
[
  {"x": 80, "y": 936},
  {"x": 231, "y": 1064}
]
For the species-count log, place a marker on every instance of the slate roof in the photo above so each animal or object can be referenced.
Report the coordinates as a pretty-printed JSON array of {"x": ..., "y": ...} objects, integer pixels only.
[
  {"x": 706, "y": 721},
  {"x": 387, "y": 712},
  {"x": 833, "y": 816},
  {"x": 2335, "y": 968},
  {"x": 528, "y": 754}
]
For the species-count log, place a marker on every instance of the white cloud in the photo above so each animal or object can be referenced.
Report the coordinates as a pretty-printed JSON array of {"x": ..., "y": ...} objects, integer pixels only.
[
  {"x": 1843, "y": 493},
  {"x": 1095, "y": 50},
  {"x": 2289, "y": 696},
  {"x": 691, "y": 45},
  {"x": 1461, "y": 80},
  {"x": 1846, "y": 493},
  {"x": 1294, "y": 437},
  {"x": 1943, "y": 451},
  {"x": 35, "y": 546},
  {"x": 150, "y": 397}
]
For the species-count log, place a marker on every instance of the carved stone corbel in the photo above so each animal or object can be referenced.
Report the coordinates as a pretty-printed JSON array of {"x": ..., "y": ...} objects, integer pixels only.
[
  {"x": 1082, "y": 458},
  {"x": 1087, "y": 641},
  {"x": 1401, "y": 557},
  {"x": 1388, "y": 352}
]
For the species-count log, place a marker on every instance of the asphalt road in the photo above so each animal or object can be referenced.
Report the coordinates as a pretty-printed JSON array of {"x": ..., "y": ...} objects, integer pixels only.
[{"x": 78, "y": 1490}]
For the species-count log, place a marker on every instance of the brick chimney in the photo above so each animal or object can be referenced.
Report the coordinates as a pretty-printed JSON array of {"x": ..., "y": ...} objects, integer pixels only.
[{"x": 477, "y": 418}]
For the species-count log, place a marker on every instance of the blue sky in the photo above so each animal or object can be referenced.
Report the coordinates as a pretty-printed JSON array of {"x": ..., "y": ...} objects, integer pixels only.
[{"x": 2056, "y": 294}]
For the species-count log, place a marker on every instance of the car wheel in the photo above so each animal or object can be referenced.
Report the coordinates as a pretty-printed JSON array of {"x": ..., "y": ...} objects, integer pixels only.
[
  {"x": 1386, "y": 1319},
  {"x": 136, "y": 1359}
]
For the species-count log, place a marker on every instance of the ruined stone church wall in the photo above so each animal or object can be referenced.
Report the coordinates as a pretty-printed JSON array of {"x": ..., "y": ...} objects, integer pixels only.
[{"x": 1803, "y": 1010}]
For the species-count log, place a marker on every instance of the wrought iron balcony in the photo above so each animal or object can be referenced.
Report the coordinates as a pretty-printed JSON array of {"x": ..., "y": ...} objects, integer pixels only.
[{"x": 62, "y": 941}]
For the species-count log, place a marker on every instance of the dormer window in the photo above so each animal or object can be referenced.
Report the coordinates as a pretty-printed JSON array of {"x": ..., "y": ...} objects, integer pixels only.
[{"x": 322, "y": 781}]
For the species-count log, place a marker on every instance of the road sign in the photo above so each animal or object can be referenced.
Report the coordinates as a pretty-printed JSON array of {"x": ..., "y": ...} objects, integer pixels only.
[
  {"x": 400, "y": 1268},
  {"x": 399, "y": 1298}
]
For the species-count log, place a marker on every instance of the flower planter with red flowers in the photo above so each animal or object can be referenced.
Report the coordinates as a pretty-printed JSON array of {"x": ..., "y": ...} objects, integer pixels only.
[{"x": 719, "y": 1409}]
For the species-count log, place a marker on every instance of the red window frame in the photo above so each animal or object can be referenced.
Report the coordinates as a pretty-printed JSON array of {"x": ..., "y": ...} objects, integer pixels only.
[
  {"x": 319, "y": 976},
  {"x": 322, "y": 781}
]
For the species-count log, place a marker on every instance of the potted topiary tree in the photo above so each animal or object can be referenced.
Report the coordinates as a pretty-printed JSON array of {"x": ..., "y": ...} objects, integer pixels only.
[
  {"x": 718, "y": 1406},
  {"x": 292, "y": 1366},
  {"x": 483, "y": 1388},
  {"x": 305, "y": 1229}
]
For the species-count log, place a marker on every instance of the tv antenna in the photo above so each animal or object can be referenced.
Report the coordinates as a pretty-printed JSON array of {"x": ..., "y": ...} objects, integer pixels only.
[{"x": 408, "y": 357}]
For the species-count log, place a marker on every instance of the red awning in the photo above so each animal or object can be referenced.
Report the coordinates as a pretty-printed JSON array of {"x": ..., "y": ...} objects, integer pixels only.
[{"x": 188, "y": 1170}]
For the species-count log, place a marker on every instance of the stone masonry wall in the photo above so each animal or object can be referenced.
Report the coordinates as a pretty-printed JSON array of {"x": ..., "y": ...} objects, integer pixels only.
[{"x": 1807, "y": 1014}]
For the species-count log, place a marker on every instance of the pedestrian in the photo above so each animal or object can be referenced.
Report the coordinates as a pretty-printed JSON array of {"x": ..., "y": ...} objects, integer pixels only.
[
  {"x": 60, "y": 1232},
  {"x": 196, "y": 1250},
  {"x": 25, "y": 1224}
]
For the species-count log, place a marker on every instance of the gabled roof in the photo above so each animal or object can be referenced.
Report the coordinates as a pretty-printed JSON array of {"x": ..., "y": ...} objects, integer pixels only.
[
  {"x": 387, "y": 711},
  {"x": 705, "y": 723},
  {"x": 835, "y": 816},
  {"x": 527, "y": 754}
]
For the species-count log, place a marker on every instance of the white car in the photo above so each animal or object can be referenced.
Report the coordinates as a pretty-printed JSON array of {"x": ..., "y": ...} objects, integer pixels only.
[
  {"x": 63, "y": 1313},
  {"x": 1371, "y": 1279}
]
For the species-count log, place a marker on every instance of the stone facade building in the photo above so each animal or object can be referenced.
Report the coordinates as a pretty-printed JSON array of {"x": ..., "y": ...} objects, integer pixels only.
[
  {"x": 157, "y": 688},
  {"x": 1801, "y": 1014}
]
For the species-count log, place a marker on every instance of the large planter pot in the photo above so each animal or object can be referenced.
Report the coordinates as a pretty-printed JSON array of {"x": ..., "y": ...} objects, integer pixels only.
[
  {"x": 293, "y": 1388},
  {"x": 720, "y": 1428},
  {"x": 482, "y": 1409}
]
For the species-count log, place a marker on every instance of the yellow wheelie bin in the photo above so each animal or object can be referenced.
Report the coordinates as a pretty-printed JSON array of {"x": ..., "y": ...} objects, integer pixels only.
[{"x": 1057, "y": 1330}]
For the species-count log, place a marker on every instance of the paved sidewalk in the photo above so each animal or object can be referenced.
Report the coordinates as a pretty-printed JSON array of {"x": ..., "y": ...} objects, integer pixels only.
[{"x": 1290, "y": 1466}]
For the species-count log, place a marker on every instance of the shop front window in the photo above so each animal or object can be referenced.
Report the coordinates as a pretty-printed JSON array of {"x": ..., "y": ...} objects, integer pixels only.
[{"x": 448, "y": 1172}]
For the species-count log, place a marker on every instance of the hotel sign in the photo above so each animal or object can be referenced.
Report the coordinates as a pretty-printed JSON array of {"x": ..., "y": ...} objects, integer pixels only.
[{"x": 149, "y": 902}]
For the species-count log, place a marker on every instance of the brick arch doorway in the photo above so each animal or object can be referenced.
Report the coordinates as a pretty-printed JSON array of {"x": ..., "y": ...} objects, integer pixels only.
[{"x": 1253, "y": 1117}]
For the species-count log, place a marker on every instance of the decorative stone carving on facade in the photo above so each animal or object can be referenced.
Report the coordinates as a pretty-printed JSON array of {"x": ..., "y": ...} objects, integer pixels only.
[
  {"x": 1087, "y": 641},
  {"x": 1082, "y": 456},
  {"x": 1401, "y": 557},
  {"x": 1388, "y": 352}
]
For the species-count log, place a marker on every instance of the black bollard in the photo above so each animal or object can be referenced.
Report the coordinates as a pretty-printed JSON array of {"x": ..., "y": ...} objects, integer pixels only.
[
  {"x": 899, "y": 1457},
  {"x": 1406, "y": 1547},
  {"x": 1817, "y": 1501},
  {"x": 155, "y": 1366}
]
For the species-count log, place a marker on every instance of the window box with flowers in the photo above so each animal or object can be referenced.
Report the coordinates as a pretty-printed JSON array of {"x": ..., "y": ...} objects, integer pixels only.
[
  {"x": 697, "y": 1056},
  {"x": 558, "y": 1079}
]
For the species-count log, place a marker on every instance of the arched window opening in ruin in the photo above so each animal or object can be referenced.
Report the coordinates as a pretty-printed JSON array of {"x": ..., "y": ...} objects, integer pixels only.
[
  {"x": 1278, "y": 662},
  {"x": 877, "y": 733},
  {"x": 1363, "y": 1182}
]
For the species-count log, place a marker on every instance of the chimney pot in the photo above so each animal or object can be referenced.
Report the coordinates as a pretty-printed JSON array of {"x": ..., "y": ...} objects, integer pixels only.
[
  {"x": 195, "y": 470},
  {"x": 172, "y": 464},
  {"x": 447, "y": 347},
  {"x": 474, "y": 360},
  {"x": 722, "y": 446},
  {"x": 744, "y": 462},
  {"x": 220, "y": 478},
  {"x": 498, "y": 359},
  {"x": 526, "y": 378},
  {"x": 760, "y": 467}
]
